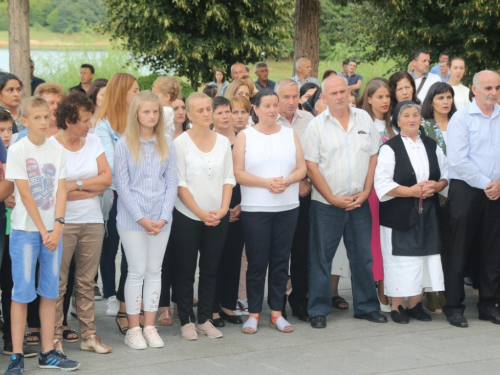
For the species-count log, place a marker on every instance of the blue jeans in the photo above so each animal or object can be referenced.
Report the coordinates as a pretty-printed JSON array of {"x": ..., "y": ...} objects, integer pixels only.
[
  {"x": 327, "y": 226},
  {"x": 26, "y": 248}
]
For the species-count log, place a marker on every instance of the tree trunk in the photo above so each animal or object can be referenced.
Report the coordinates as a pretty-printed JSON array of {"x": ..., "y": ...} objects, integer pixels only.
[
  {"x": 19, "y": 42},
  {"x": 306, "y": 30}
]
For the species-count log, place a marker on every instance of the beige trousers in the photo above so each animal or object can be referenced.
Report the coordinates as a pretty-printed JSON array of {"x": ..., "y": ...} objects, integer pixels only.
[{"x": 84, "y": 243}]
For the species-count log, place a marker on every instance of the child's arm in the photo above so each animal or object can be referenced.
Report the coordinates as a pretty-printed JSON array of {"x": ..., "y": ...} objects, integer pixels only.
[
  {"x": 53, "y": 238},
  {"x": 29, "y": 203}
]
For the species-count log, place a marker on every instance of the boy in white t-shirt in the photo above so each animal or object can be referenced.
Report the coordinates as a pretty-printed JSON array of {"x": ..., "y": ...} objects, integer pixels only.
[{"x": 38, "y": 170}]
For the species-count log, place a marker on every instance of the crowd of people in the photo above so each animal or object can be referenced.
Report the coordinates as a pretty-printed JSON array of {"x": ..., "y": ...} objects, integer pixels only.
[{"x": 396, "y": 186}]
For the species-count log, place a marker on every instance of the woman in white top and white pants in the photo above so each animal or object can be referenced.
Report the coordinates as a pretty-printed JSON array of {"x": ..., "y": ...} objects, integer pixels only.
[
  {"x": 268, "y": 163},
  {"x": 206, "y": 180}
]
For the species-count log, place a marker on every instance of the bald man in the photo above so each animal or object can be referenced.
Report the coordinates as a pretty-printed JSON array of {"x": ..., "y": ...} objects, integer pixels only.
[
  {"x": 238, "y": 70},
  {"x": 473, "y": 150},
  {"x": 303, "y": 68},
  {"x": 340, "y": 147}
]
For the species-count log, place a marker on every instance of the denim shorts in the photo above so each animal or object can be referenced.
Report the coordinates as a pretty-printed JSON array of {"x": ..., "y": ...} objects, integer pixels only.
[{"x": 26, "y": 248}]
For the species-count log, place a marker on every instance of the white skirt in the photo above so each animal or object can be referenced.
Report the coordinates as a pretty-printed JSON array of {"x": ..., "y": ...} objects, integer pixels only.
[
  {"x": 340, "y": 264},
  {"x": 406, "y": 276}
]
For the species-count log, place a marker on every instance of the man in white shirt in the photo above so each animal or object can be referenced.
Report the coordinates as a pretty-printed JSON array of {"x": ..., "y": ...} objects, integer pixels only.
[
  {"x": 420, "y": 73},
  {"x": 292, "y": 117},
  {"x": 340, "y": 148},
  {"x": 303, "y": 67}
]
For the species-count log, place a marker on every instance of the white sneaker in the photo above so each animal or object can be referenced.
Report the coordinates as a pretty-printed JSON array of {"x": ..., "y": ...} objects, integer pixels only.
[
  {"x": 134, "y": 339},
  {"x": 152, "y": 337},
  {"x": 112, "y": 306},
  {"x": 241, "y": 307}
]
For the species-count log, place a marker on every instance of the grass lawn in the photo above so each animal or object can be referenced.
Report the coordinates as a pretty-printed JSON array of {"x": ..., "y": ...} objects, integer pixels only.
[{"x": 43, "y": 38}]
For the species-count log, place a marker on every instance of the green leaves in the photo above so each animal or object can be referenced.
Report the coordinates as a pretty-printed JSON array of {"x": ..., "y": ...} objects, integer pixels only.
[{"x": 194, "y": 37}]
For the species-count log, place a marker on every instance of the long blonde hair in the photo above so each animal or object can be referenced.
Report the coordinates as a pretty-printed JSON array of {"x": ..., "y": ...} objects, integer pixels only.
[
  {"x": 133, "y": 129},
  {"x": 114, "y": 105}
]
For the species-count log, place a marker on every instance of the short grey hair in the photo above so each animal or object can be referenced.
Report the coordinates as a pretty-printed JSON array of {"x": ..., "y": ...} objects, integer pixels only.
[
  {"x": 284, "y": 82},
  {"x": 297, "y": 63},
  {"x": 238, "y": 63},
  {"x": 326, "y": 79},
  {"x": 261, "y": 64},
  {"x": 475, "y": 79},
  {"x": 410, "y": 105}
]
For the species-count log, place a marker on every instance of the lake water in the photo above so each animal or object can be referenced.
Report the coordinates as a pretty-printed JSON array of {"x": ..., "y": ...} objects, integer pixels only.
[{"x": 57, "y": 57}]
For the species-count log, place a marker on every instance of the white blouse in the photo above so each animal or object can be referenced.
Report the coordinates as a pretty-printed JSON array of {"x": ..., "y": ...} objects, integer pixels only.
[
  {"x": 203, "y": 173},
  {"x": 384, "y": 173}
]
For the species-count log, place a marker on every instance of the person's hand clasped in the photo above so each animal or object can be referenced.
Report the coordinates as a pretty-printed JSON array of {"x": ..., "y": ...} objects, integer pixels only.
[
  {"x": 429, "y": 188},
  {"x": 51, "y": 240},
  {"x": 10, "y": 202},
  {"x": 234, "y": 213},
  {"x": 279, "y": 185},
  {"x": 304, "y": 188},
  {"x": 492, "y": 190},
  {"x": 215, "y": 217},
  {"x": 150, "y": 226},
  {"x": 356, "y": 201}
]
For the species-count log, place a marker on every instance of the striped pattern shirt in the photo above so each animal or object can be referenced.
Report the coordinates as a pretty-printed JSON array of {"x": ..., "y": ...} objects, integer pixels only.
[
  {"x": 146, "y": 189},
  {"x": 342, "y": 156}
]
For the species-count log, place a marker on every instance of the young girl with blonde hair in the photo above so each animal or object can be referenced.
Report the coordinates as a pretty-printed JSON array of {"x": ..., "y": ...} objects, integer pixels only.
[{"x": 146, "y": 182}]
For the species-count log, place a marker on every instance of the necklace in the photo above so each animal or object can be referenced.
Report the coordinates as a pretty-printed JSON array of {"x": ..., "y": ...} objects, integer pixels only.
[{"x": 77, "y": 152}]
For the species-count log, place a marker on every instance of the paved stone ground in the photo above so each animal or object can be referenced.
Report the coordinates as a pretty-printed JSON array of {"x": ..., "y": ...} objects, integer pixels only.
[{"x": 346, "y": 346}]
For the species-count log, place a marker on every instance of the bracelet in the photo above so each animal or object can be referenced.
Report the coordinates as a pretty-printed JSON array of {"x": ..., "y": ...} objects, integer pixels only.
[{"x": 289, "y": 179}]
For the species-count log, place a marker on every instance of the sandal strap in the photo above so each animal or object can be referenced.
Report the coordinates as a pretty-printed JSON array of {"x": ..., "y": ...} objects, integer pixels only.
[
  {"x": 251, "y": 322},
  {"x": 282, "y": 323}
]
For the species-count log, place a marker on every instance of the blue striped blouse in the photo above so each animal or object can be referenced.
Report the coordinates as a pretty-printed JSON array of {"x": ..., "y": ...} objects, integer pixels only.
[{"x": 147, "y": 189}]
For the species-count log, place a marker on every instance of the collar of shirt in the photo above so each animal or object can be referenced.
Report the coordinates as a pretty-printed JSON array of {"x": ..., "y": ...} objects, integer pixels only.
[
  {"x": 415, "y": 78},
  {"x": 152, "y": 140},
  {"x": 352, "y": 115},
  {"x": 283, "y": 118},
  {"x": 474, "y": 109}
]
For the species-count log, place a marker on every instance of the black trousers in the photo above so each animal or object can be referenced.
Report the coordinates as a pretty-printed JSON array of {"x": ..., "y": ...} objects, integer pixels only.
[
  {"x": 228, "y": 274},
  {"x": 191, "y": 236},
  {"x": 472, "y": 214},
  {"x": 298, "y": 257},
  {"x": 167, "y": 273},
  {"x": 268, "y": 240}
]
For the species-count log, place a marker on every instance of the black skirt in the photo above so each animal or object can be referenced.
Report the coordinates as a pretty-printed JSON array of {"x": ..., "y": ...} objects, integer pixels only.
[{"x": 423, "y": 237}]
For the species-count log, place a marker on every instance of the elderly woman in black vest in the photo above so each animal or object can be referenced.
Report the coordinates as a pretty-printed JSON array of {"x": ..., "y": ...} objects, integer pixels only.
[{"x": 411, "y": 170}]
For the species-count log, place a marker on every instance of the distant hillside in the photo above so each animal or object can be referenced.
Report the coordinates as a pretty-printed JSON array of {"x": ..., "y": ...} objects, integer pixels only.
[{"x": 60, "y": 16}]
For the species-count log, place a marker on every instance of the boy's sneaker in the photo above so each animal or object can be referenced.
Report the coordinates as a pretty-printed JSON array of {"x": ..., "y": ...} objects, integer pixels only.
[
  {"x": 241, "y": 307},
  {"x": 94, "y": 344},
  {"x": 7, "y": 350},
  {"x": 97, "y": 294},
  {"x": 112, "y": 306},
  {"x": 55, "y": 359},
  {"x": 16, "y": 364}
]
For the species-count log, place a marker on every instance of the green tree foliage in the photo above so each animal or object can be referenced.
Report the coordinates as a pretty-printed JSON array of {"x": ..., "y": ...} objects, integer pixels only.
[
  {"x": 395, "y": 28},
  {"x": 66, "y": 16},
  {"x": 334, "y": 28},
  {"x": 39, "y": 10},
  {"x": 194, "y": 37},
  {"x": 4, "y": 18}
]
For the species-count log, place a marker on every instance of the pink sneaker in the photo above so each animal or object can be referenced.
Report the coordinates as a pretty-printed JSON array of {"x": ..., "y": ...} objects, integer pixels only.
[{"x": 152, "y": 337}]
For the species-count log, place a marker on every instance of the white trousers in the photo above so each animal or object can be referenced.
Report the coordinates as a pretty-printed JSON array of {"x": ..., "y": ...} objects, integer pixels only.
[{"x": 144, "y": 257}]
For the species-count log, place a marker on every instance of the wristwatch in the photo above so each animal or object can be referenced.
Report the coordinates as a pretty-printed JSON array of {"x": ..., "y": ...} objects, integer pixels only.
[
  {"x": 61, "y": 220},
  {"x": 79, "y": 184}
]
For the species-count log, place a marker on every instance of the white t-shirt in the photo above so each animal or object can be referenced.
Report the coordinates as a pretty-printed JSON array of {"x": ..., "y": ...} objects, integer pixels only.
[
  {"x": 203, "y": 173},
  {"x": 270, "y": 156},
  {"x": 168, "y": 117},
  {"x": 42, "y": 166},
  {"x": 80, "y": 166},
  {"x": 461, "y": 97},
  {"x": 431, "y": 79}
]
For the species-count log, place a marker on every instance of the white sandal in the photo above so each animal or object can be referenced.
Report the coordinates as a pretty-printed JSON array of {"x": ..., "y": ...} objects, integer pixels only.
[
  {"x": 252, "y": 323},
  {"x": 280, "y": 324}
]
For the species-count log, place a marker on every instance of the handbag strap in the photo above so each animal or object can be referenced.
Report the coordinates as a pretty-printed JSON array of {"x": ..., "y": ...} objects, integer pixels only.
[{"x": 421, "y": 85}]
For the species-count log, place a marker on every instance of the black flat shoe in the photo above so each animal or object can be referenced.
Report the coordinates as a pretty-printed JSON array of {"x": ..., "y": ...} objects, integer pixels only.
[
  {"x": 234, "y": 319},
  {"x": 493, "y": 317},
  {"x": 418, "y": 313},
  {"x": 374, "y": 317},
  {"x": 458, "y": 320},
  {"x": 400, "y": 316},
  {"x": 318, "y": 321},
  {"x": 218, "y": 322},
  {"x": 301, "y": 314}
]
